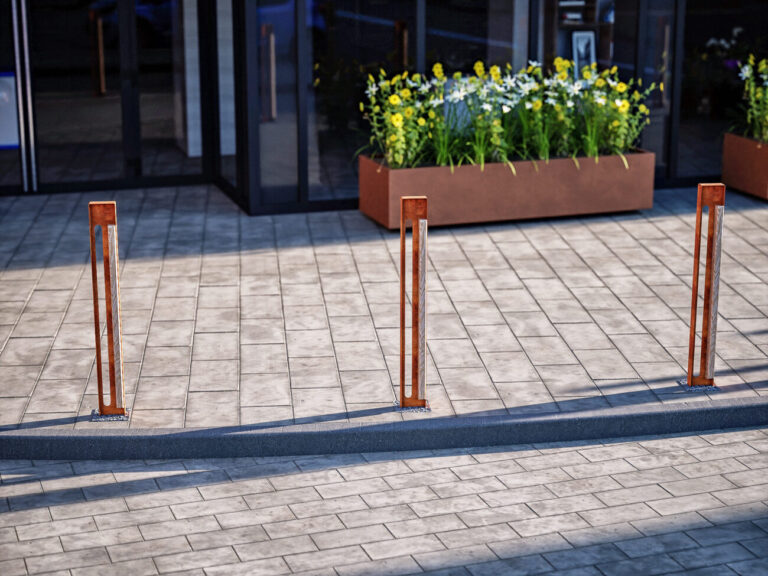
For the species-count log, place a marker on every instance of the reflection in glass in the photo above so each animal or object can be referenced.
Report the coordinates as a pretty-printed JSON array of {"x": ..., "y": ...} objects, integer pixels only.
[
  {"x": 169, "y": 86},
  {"x": 348, "y": 39},
  {"x": 717, "y": 36},
  {"x": 278, "y": 135},
  {"x": 459, "y": 33},
  {"x": 658, "y": 59},
  {"x": 10, "y": 161},
  {"x": 76, "y": 69},
  {"x": 226, "y": 70}
]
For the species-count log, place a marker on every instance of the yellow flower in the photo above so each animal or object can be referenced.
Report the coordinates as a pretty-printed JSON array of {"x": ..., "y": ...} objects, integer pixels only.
[
  {"x": 599, "y": 82},
  {"x": 416, "y": 77},
  {"x": 643, "y": 109},
  {"x": 421, "y": 122},
  {"x": 408, "y": 112},
  {"x": 624, "y": 106},
  {"x": 405, "y": 93},
  {"x": 394, "y": 100},
  {"x": 615, "y": 123},
  {"x": 537, "y": 105},
  {"x": 437, "y": 71},
  {"x": 661, "y": 86},
  {"x": 393, "y": 138},
  {"x": 382, "y": 72},
  {"x": 370, "y": 78},
  {"x": 614, "y": 69},
  {"x": 586, "y": 73},
  {"x": 593, "y": 65},
  {"x": 405, "y": 74},
  {"x": 479, "y": 69},
  {"x": 431, "y": 114},
  {"x": 497, "y": 122},
  {"x": 362, "y": 106},
  {"x": 396, "y": 119},
  {"x": 621, "y": 87},
  {"x": 495, "y": 72},
  {"x": 429, "y": 135},
  {"x": 563, "y": 75},
  {"x": 456, "y": 75},
  {"x": 376, "y": 109}
]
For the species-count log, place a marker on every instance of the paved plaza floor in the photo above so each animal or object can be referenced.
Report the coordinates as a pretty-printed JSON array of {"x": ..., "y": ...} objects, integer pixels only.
[
  {"x": 234, "y": 320},
  {"x": 693, "y": 504}
]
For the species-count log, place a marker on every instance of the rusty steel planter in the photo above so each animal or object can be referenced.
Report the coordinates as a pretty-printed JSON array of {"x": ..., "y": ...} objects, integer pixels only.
[
  {"x": 745, "y": 165},
  {"x": 538, "y": 190}
]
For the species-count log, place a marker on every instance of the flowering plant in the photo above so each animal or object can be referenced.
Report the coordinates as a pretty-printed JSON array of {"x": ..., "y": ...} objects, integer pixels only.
[
  {"x": 755, "y": 77},
  {"x": 495, "y": 115}
]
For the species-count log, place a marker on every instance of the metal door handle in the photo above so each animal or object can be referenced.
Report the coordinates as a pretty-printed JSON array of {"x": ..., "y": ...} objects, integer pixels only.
[{"x": 269, "y": 88}]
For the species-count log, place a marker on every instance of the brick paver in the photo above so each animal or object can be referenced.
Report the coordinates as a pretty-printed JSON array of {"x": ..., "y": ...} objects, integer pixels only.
[
  {"x": 231, "y": 320},
  {"x": 668, "y": 508}
]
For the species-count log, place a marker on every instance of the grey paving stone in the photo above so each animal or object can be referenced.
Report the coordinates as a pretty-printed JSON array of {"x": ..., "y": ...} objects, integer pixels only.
[
  {"x": 660, "y": 564},
  {"x": 197, "y": 559},
  {"x": 720, "y": 554}
]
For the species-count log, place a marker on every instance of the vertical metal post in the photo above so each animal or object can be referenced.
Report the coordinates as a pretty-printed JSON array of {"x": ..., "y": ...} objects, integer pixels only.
[
  {"x": 713, "y": 197},
  {"x": 104, "y": 215},
  {"x": 414, "y": 208},
  {"x": 28, "y": 93}
]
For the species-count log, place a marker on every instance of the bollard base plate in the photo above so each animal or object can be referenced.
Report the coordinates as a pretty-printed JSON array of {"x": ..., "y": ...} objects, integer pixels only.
[
  {"x": 396, "y": 404},
  {"x": 96, "y": 417},
  {"x": 698, "y": 387}
]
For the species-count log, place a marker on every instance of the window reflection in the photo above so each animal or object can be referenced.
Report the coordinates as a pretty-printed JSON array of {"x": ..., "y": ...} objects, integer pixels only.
[{"x": 348, "y": 39}]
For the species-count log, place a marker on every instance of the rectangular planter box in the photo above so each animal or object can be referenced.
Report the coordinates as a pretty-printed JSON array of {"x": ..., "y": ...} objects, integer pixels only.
[
  {"x": 745, "y": 165},
  {"x": 469, "y": 195}
]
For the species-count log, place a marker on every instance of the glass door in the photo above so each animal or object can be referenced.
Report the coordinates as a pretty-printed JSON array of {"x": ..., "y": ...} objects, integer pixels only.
[
  {"x": 75, "y": 61},
  {"x": 14, "y": 175}
]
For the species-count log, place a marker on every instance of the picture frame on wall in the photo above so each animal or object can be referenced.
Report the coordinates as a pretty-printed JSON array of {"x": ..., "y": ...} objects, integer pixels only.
[{"x": 584, "y": 51}]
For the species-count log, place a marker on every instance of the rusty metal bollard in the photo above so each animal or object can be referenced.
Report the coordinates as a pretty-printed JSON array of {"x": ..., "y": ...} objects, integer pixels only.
[
  {"x": 712, "y": 196},
  {"x": 104, "y": 215},
  {"x": 414, "y": 208}
]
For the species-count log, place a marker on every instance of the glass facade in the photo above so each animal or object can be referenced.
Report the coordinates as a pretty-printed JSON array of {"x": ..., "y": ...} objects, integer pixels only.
[{"x": 261, "y": 96}]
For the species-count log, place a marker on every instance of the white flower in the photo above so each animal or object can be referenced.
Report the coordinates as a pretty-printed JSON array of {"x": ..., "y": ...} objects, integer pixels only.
[
  {"x": 569, "y": 103},
  {"x": 746, "y": 72},
  {"x": 600, "y": 100},
  {"x": 487, "y": 107},
  {"x": 618, "y": 102},
  {"x": 528, "y": 105},
  {"x": 534, "y": 63},
  {"x": 372, "y": 89},
  {"x": 551, "y": 101},
  {"x": 505, "y": 109}
]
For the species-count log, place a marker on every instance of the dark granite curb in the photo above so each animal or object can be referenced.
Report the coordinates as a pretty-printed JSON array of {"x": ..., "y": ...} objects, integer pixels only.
[{"x": 346, "y": 437}]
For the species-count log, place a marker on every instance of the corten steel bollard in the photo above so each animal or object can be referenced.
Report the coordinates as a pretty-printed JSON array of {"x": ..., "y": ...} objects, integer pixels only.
[
  {"x": 712, "y": 196},
  {"x": 414, "y": 208},
  {"x": 104, "y": 214}
]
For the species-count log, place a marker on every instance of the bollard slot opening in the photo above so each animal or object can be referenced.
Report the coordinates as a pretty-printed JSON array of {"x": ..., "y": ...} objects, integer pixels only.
[
  {"x": 408, "y": 274},
  {"x": 102, "y": 359}
]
